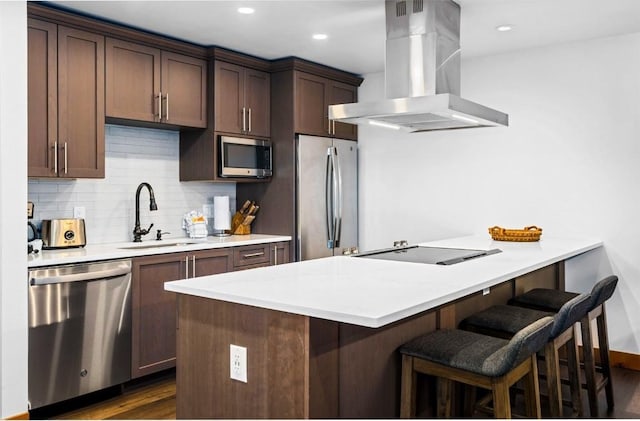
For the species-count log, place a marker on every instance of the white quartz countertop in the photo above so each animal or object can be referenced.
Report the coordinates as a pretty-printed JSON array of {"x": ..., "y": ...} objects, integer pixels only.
[
  {"x": 95, "y": 252},
  {"x": 374, "y": 293}
]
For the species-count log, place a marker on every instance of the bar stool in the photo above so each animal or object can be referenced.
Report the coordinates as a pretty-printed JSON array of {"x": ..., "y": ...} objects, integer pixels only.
[
  {"x": 478, "y": 360},
  {"x": 552, "y": 300},
  {"x": 504, "y": 321}
]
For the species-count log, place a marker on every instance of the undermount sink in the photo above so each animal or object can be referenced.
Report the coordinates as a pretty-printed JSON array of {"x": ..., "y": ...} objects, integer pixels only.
[{"x": 153, "y": 246}]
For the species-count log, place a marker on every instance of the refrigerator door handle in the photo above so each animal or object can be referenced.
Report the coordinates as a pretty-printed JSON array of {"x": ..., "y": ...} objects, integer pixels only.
[
  {"x": 329, "y": 199},
  {"x": 338, "y": 200}
]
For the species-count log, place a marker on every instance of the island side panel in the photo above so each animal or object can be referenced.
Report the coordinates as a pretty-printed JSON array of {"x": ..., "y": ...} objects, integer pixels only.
[
  {"x": 370, "y": 366},
  {"x": 322, "y": 382},
  {"x": 276, "y": 352}
]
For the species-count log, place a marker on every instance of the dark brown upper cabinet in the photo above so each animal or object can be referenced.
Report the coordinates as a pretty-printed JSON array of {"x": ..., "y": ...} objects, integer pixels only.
[
  {"x": 150, "y": 85},
  {"x": 65, "y": 102},
  {"x": 313, "y": 95},
  {"x": 242, "y": 100}
]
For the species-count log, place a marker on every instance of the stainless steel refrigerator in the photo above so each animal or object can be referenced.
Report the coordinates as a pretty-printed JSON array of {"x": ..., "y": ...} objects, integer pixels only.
[{"x": 326, "y": 196}]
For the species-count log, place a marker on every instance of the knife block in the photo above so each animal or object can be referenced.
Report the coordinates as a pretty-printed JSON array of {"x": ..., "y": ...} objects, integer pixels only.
[{"x": 237, "y": 227}]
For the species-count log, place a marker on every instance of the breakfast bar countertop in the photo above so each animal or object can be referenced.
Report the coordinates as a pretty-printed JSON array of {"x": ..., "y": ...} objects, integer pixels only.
[{"x": 374, "y": 293}]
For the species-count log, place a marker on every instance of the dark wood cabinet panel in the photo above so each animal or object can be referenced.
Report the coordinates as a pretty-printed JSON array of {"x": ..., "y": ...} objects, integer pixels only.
[
  {"x": 80, "y": 103},
  {"x": 154, "y": 309},
  {"x": 314, "y": 94},
  {"x": 311, "y": 112},
  {"x": 184, "y": 86},
  {"x": 279, "y": 253},
  {"x": 258, "y": 102},
  {"x": 66, "y": 102},
  {"x": 211, "y": 262},
  {"x": 242, "y": 100},
  {"x": 42, "y": 98},
  {"x": 154, "y": 312},
  {"x": 228, "y": 97},
  {"x": 132, "y": 81},
  {"x": 149, "y": 85}
]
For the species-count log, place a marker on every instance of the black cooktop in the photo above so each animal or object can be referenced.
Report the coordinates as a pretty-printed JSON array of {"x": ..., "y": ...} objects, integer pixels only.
[{"x": 431, "y": 255}]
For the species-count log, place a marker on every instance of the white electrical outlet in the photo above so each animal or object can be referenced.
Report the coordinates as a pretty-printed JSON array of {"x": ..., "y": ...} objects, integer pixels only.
[
  {"x": 238, "y": 363},
  {"x": 79, "y": 212},
  {"x": 207, "y": 210}
]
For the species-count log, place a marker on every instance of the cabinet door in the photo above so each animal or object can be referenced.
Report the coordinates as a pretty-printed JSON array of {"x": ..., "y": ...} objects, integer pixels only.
[
  {"x": 210, "y": 262},
  {"x": 184, "y": 86},
  {"x": 258, "y": 102},
  {"x": 42, "y": 98},
  {"x": 341, "y": 93},
  {"x": 228, "y": 98},
  {"x": 80, "y": 104},
  {"x": 311, "y": 112},
  {"x": 279, "y": 253},
  {"x": 154, "y": 313},
  {"x": 132, "y": 81}
]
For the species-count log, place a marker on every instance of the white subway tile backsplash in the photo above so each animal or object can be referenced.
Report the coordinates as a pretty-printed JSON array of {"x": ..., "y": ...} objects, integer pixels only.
[{"x": 132, "y": 155}]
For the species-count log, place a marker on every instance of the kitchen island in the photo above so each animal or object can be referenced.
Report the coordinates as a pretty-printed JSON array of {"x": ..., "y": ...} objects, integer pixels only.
[{"x": 321, "y": 335}]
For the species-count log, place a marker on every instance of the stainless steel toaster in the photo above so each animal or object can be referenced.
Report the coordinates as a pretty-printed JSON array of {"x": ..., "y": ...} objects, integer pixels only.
[{"x": 63, "y": 233}]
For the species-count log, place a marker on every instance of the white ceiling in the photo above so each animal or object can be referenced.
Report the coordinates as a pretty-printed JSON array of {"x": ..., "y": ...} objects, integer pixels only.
[{"x": 356, "y": 28}]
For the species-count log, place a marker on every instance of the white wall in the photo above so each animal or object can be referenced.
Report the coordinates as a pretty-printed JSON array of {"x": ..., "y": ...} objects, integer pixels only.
[
  {"x": 13, "y": 196},
  {"x": 133, "y": 155},
  {"x": 569, "y": 162}
]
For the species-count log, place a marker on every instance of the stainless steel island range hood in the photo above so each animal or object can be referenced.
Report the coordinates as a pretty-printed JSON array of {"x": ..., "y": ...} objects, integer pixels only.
[{"x": 422, "y": 74}]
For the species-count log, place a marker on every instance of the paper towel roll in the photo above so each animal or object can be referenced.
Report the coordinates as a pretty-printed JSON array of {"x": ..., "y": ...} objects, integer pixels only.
[{"x": 221, "y": 214}]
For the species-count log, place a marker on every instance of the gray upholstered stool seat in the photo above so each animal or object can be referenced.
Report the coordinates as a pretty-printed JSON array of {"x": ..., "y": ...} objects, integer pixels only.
[
  {"x": 478, "y": 360},
  {"x": 504, "y": 321},
  {"x": 543, "y": 299},
  {"x": 552, "y": 300}
]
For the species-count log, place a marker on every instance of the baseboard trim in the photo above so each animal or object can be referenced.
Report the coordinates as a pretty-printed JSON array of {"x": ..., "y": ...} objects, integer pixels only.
[
  {"x": 624, "y": 360},
  {"x": 22, "y": 416},
  {"x": 619, "y": 359}
]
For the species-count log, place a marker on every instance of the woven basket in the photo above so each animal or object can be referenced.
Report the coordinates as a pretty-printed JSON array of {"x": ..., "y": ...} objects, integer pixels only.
[{"x": 531, "y": 233}]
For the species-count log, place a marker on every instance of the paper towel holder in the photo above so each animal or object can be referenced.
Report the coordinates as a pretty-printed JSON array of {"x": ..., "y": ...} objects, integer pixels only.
[{"x": 221, "y": 216}]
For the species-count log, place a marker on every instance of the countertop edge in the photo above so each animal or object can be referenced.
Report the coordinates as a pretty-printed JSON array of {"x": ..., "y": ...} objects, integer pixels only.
[{"x": 114, "y": 251}]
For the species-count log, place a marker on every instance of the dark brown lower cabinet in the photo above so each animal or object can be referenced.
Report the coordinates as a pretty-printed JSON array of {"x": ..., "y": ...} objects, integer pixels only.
[{"x": 154, "y": 309}]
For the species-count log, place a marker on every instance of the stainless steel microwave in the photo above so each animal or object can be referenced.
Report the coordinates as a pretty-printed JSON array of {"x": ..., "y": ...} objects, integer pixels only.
[{"x": 240, "y": 157}]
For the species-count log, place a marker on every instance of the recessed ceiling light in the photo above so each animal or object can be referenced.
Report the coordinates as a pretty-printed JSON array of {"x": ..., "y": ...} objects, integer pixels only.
[
  {"x": 504, "y": 28},
  {"x": 319, "y": 36},
  {"x": 246, "y": 10}
]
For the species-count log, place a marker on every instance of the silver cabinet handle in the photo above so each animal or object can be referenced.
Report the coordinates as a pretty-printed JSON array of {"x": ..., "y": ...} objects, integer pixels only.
[
  {"x": 275, "y": 255},
  {"x": 160, "y": 106},
  {"x": 55, "y": 157},
  {"x": 249, "y": 119},
  {"x": 166, "y": 114},
  {"x": 329, "y": 126},
  {"x": 193, "y": 266},
  {"x": 186, "y": 267},
  {"x": 253, "y": 254},
  {"x": 244, "y": 126},
  {"x": 65, "y": 158}
]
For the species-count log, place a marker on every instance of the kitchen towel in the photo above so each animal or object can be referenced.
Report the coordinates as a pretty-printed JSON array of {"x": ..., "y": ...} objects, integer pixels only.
[{"x": 221, "y": 213}]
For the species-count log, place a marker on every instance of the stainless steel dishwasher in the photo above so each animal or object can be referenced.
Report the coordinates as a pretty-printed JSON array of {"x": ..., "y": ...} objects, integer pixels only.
[{"x": 79, "y": 329}]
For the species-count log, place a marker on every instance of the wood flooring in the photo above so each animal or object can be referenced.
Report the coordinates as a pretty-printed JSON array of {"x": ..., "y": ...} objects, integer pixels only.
[{"x": 155, "y": 398}]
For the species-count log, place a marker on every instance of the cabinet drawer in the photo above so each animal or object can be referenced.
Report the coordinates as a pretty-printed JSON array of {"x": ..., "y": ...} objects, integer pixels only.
[{"x": 251, "y": 255}]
